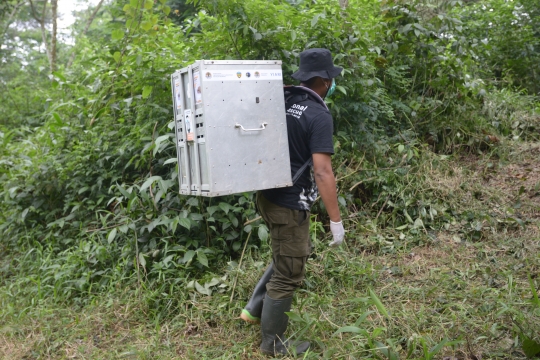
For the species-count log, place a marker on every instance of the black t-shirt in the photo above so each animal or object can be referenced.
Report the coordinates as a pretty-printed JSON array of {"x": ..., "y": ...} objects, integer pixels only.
[{"x": 309, "y": 129}]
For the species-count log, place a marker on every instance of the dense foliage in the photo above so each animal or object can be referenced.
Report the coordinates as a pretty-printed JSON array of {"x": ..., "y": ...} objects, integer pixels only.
[{"x": 87, "y": 169}]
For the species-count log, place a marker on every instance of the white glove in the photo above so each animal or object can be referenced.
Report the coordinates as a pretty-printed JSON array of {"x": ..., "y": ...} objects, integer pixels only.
[{"x": 338, "y": 232}]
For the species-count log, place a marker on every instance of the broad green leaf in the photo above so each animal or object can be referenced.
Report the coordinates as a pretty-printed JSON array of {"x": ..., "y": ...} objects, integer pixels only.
[
  {"x": 13, "y": 191},
  {"x": 124, "y": 192},
  {"x": 170, "y": 161},
  {"x": 57, "y": 117},
  {"x": 382, "y": 348},
  {"x": 147, "y": 90},
  {"x": 406, "y": 28},
  {"x": 530, "y": 347},
  {"x": 294, "y": 316},
  {"x": 117, "y": 56},
  {"x": 212, "y": 209},
  {"x": 146, "y": 25},
  {"x": 185, "y": 222},
  {"x": 149, "y": 182},
  {"x": 167, "y": 10},
  {"x": 225, "y": 207},
  {"x": 212, "y": 282},
  {"x": 341, "y": 89},
  {"x": 111, "y": 236},
  {"x": 188, "y": 256},
  {"x": 202, "y": 289},
  {"x": 418, "y": 223},
  {"x": 135, "y": 3},
  {"x": 314, "y": 20},
  {"x": 201, "y": 257},
  {"x": 263, "y": 232},
  {"x": 148, "y": 4},
  {"x": 142, "y": 260},
  {"x": 159, "y": 140},
  {"x": 407, "y": 216},
  {"x": 117, "y": 34},
  {"x": 196, "y": 216},
  {"x": 236, "y": 245}
]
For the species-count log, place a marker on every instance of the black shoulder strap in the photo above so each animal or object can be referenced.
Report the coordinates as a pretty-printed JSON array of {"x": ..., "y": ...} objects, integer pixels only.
[
  {"x": 301, "y": 170},
  {"x": 294, "y": 98}
]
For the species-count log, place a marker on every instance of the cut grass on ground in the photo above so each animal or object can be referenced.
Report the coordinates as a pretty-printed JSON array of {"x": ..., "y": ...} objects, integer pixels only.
[{"x": 472, "y": 294}]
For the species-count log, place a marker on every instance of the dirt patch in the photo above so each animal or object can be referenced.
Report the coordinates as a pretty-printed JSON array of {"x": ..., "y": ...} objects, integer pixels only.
[
  {"x": 520, "y": 179},
  {"x": 13, "y": 348},
  {"x": 514, "y": 177}
]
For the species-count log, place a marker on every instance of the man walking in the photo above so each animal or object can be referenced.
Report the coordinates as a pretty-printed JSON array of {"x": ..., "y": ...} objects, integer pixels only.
[{"x": 286, "y": 211}]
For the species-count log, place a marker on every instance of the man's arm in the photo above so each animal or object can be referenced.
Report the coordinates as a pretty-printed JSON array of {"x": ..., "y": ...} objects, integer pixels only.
[{"x": 326, "y": 183}]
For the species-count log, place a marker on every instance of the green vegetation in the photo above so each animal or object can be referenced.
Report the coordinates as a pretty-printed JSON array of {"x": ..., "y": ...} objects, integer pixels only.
[{"x": 437, "y": 160}]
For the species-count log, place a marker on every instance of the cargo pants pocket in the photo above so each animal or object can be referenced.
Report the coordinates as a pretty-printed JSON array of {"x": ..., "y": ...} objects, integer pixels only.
[{"x": 296, "y": 243}]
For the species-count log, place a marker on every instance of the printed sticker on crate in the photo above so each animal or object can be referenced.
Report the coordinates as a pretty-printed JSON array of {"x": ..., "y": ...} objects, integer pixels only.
[
  {"x": 188, "y": 121},
  {"x": 197, "y": 87},
  {"x": 235, "y": 75},
  {"x": 177, "y": 96}
]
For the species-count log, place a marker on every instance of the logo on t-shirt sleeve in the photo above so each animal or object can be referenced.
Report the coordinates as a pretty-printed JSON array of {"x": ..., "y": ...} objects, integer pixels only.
[{"x": 296, "y": 110}]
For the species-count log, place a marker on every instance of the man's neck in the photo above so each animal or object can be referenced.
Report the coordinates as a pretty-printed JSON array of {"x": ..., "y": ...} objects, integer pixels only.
[{"x": 315, "y": 94}]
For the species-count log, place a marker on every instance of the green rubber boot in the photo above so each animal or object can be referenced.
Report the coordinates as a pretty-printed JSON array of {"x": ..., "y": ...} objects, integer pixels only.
[{"x": 273, "y": 325}]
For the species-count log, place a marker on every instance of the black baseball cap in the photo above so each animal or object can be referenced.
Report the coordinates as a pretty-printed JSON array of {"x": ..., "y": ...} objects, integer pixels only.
[{"x": 316, "y": 62}]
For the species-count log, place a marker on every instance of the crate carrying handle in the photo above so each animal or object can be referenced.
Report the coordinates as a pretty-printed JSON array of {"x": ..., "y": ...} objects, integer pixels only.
[{"x": 263, "y": 126}]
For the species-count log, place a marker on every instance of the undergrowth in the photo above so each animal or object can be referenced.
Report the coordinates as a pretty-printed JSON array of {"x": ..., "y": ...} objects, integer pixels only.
[
  {"x": 458, "y": 282},
  {"x": 436, "y": 164}
]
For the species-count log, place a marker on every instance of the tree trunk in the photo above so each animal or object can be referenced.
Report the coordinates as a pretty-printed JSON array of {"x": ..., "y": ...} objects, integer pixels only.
[
  {"x": 41, "y": 21},
  {"x": 54, "y": 4},
  {"x": 88, "y": 23}
]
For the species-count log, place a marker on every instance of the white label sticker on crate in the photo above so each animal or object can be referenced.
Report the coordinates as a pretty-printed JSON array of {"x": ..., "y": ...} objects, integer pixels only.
[
  {"x": 230, "y": 75},
  {"x": 197, "y": 87},
  {"x": 187, "y": 120},
  {"x": 177, "y": 92}
]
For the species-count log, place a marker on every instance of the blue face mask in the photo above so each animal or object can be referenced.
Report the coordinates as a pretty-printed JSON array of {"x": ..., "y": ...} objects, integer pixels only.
[{"x": 331, "y": 89}]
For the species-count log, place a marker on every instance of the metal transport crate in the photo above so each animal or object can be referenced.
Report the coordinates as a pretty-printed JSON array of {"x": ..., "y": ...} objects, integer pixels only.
[{"x": 230, "y": 126}]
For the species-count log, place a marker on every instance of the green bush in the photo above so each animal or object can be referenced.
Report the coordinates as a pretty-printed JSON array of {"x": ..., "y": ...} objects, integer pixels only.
[{"x": 92, "y": 182}]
